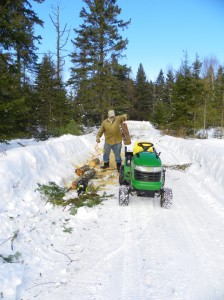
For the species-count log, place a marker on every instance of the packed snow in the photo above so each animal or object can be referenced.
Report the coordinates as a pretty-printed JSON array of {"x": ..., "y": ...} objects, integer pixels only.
[{"x": 138, "y": 252}]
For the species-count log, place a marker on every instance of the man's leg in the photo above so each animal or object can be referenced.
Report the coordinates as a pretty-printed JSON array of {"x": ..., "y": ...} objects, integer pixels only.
[
  {"x": 117, "y": 153},
  {"x": 106, "y": 155}
]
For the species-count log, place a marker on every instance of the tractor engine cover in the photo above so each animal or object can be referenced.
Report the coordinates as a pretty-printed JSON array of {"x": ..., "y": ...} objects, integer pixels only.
[{"x": 147, "y": 171}]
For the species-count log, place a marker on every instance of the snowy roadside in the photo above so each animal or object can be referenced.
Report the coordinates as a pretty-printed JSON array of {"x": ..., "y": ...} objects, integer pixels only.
[{"x": 107, "y": 244}]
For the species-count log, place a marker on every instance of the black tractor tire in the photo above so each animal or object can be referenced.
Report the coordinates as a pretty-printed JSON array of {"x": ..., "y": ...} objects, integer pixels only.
[
  {"x": 166, "y": 198},
  {"x": 121, "y": 177},
  {"x": 163, "y": 177},
  {"x": 123, "y": 195}
]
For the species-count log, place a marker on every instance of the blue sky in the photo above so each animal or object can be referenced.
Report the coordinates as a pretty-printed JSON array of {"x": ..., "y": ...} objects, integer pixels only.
[{"x": 160, "y": 33}]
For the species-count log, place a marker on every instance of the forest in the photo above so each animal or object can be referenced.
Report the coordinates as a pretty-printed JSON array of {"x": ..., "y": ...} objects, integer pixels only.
[{"x": 35, "y": 100}]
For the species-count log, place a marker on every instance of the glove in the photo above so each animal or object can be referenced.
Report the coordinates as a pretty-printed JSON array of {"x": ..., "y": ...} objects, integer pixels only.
[
  {"x": 125, "y": 117},
  {"x": 98, "y": 140}
]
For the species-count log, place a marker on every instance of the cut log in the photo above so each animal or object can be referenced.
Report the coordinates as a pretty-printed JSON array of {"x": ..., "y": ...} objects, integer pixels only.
[
  {"x": 87, "y": 176},
  {"x": 125, "y": 134},
  {"x": 82, "y": 170},
  {"x": 94, "y": 162}
]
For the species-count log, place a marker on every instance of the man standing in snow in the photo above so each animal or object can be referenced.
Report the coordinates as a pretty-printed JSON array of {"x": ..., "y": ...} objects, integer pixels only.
[{"x": 110, "y": 127}]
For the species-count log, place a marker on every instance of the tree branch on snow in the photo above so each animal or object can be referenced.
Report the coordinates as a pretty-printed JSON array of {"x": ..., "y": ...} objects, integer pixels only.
[{"x": 71, "y": 260}]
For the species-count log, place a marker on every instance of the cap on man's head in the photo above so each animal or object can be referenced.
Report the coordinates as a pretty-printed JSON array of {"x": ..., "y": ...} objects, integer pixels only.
[{"x": 111, "y": 114}]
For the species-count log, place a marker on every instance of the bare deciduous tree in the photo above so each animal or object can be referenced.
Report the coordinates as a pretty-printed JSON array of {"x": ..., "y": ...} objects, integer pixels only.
[{"x": 61, "y": 41}]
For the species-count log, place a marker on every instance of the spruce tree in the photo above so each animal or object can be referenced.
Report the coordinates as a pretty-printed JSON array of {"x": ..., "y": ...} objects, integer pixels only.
[
  {"x": 218, "y": 105},
  {"x": 17, "y": 36},
  {"x": 52, "y": 108},
  {"x": 160, "y": 87},
  {"x": 163, "y": 107},
  {"x": 143, "y": 96},
  {"x": 198, "y": 94},
  {"x": 98, "y": 44},
  {"x": 209, "y": 102},
  {"x": 185, "y": 100},
  {"x": 17, "y": 57},
  {"x": 169, "y": 82}
]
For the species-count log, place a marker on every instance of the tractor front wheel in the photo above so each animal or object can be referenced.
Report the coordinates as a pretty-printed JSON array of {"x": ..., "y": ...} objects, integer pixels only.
[
  {"x": 166, "y": 198},
  {"x": 121, "y": 176},
  {"x": 123, "y": 195}
]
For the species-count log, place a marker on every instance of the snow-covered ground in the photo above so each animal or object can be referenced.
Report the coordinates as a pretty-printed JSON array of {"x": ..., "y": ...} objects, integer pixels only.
[{"x": 139, "y": 252}]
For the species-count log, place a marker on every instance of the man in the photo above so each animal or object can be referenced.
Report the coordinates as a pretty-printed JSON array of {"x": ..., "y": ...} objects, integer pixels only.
[{"x": 113, "y": 138}]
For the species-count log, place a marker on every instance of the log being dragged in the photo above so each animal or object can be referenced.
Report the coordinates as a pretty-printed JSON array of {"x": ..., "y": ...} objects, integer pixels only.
[
  {"x": 82, "y": 170},
  {"x": 94, "y": 162},
  {"x": 86, "y": 176}
]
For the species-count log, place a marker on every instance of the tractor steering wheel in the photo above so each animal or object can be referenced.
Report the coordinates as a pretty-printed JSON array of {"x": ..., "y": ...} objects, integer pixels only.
[{"x": 145, "y": 146}]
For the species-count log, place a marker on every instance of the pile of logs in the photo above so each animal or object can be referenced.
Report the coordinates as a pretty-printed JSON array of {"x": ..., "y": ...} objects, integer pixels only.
[{"x": 86, "y": 172}]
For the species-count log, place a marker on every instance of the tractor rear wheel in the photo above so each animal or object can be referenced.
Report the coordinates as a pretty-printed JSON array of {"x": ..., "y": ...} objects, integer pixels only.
[{"x": 123, "y": 195}]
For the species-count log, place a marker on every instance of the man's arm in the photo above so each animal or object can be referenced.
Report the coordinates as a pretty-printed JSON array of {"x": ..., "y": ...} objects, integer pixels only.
[
  {"x": 99, "y": 133},
  {"x": 123, "y": 118}
]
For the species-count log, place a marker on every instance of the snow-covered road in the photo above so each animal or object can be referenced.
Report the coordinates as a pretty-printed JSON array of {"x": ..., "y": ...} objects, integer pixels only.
[{"x": 139, "y": 252}]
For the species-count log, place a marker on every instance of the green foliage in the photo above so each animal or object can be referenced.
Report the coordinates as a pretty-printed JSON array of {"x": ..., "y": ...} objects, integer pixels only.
[
  {"x": 71, "y": 128},
  {"x": 162, "y": 115},
  {"x": 34, "y": 101},
  {"x": 17, "y": 59},
  {"x": 53, "y": 192},
  {"x": 53, "y": 111},
  {"x": 143, "y": 103},
  {"x": 98, "y": 45},
  {"x": 12, "y": 258},
  {"x": 15, "y": 235},
  {"x": 68, "y": 229},
  {"x": 55, "y": 195}
]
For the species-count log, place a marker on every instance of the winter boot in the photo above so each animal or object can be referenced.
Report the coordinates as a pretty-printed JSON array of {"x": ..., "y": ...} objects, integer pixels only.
[
  {"x": 118, "y": 166},
  {"x": 105, "y": 166}
]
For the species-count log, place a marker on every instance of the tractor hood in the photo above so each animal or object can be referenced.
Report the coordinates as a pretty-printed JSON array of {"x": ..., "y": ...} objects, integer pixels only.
[{"x": 147, "y": 159}]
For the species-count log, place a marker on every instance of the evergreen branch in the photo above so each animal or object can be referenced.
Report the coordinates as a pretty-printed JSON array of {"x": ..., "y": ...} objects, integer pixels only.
[
  {"x": 12, "y": 238},
  {"x": 11, "y": 258},
  {"x": 15, "y": 235}
]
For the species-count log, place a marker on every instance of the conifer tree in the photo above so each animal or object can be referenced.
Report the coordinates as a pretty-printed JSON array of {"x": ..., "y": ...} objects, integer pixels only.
[
  {"x": 98, "y": 43},
  {"x": 219, "y": 101},
  {"x": 160, "y": 87},
  {"x": 169, "y": 82},
  {"x": 163, "y": 107},
  {"x": 209, "y": 101},
  {"x": 198, "y": 94},
  {"x": 17, "y": 56},
  {"x": 52, "y": 108},
  {"x": 17, "y": 36},
  {"x": 185, "y": 100},
  {"x": 143, "y": 97}
]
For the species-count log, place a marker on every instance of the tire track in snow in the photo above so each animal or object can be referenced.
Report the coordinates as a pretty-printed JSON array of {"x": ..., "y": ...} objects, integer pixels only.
[
  {"x": 139, "y": 221},
  {"x": 203, "y": 232}
]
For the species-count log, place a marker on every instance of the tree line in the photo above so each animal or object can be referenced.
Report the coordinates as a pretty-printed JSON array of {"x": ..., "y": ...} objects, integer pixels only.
[{"x": 35, "y": 100}]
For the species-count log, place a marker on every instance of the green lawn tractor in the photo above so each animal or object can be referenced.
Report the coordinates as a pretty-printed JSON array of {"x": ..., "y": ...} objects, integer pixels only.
[{"x": 142, "y": 174}]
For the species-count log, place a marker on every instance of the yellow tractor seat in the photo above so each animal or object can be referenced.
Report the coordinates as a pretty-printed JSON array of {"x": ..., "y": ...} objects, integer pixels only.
[{"x": 140, "y": 146}]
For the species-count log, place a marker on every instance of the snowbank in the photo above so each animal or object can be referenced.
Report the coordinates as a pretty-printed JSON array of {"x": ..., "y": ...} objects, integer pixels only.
[{"x": 40, "y": 227}]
